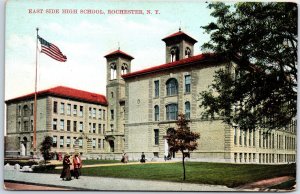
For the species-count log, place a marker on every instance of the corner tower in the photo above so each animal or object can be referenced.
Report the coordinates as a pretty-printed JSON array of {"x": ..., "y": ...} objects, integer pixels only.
[
  {"x": 118, "y": 63},
  {"x": 179, "y": 46}
]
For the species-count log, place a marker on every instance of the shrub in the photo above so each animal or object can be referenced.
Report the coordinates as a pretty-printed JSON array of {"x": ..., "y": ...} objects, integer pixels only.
[{"x": 43, "y": 168}]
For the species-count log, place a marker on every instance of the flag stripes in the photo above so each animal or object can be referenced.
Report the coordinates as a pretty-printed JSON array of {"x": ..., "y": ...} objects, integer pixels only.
[{"x": 51, "y": 50}]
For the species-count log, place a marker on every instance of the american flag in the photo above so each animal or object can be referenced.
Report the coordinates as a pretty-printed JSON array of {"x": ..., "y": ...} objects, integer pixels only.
[{"x": 51, "y": 50}]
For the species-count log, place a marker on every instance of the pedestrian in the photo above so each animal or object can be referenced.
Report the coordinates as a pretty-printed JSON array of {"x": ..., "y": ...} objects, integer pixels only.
[
  {"x": 143, "y": 158},
  {"x": 77, "y": 165},
  {"x": 66, "y": 173},
  {"x": 125, "y": 158}
]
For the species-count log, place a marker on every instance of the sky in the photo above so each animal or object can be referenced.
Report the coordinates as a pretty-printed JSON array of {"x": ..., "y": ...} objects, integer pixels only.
[{"x": 86, "y": 38}]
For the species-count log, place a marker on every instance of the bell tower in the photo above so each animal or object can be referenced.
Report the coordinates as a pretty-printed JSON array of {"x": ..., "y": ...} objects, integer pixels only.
[
  {"x": 179, "y": 46},
  {"x": 117, "y": 64}
]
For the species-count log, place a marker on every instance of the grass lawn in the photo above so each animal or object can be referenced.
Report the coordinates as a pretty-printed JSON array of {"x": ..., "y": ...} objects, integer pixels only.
[{"x": 231, "y": 175}]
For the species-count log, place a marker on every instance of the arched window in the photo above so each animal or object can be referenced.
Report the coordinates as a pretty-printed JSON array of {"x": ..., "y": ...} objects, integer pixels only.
[
  {"x": 172, "y": 112},
  {"x": 25, "y": 110},
  {"x": 113, "y": 71},
  {"x": 156, "y": 113},
  {"x": 187, "y": 52},
  {"x": 187, "y": 110},
  {"x": 172, "y": 87},
  {"x": 124, "y": 69},
  {"x": 174, "y": 54}
]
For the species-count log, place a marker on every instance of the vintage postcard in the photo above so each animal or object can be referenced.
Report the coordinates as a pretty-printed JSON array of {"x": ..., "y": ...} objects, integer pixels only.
[{"x": 150, "y": 95}]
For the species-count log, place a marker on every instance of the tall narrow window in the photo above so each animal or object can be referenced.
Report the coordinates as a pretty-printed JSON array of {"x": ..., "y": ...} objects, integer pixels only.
[
  {"x": 26, "y": 110},
  {"x": 80, "y": 143},
  {"x": 54, "y": 107},
  {"x": 112, "y": 127},
  {"x": 124, "y": 69},
  {"x": 172, "y": 111},
  {"x": 61, "y": 142},
  {"x": 187, "y": 52},
  {"x": 112, "y": 116},
  {"x": 62, "y": 108},
  {"x": 68, "y": 142},
  {"x": 99, "y": 129},
  {"x": 26, "y": 125},
  {"x": 74, "y": 126},
  {"x": 81, "y": 127},
  {"x": 81, "y": 111},
  {"x": 31, "y": 108},
  {"x": 187, "y": 110},
  {"x": 68, "y": 125},
  {"x": 94, "y": 127},
  {"x": 75, "y": 110},
  {"x": 187, "y": 80},
  {"x": 31, "y": 125},
  {"x": 90, "y": 112},
  {"x": 104, "y": 116},
  {"x": 156, "y": 136},
  {"x": 156, "y": 113},
  {"x": 94, "y": 143},
  {"x": 19, "y": 110},
  {"x": 54, "y": 124},
  {"x": 100, "y": 113},
  {"x": 62, "y": 124},
  {"x": 172, "y": 87},
  {"x": 156, "y": 88},
  {"x": 90, "y": 127},
  {"x": 68, "y": 109},
  {"x": 54, "y": 141},
  {"x": 113, "y": 71},
  {"x": 174, "y": 52},
  {"x": 99, "y": 143}
]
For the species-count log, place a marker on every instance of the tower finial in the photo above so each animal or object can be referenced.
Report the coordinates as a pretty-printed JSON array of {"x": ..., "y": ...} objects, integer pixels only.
[
  {"x": 180, "y": 26},
  {"x": 118, "y": 45}
]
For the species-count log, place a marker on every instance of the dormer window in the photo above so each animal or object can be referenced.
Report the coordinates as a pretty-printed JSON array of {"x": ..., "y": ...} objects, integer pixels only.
[
  {"x": 187, "y": 52},
  {"x": 174, "y": 54},
  {"x": 113, "y": 71}
]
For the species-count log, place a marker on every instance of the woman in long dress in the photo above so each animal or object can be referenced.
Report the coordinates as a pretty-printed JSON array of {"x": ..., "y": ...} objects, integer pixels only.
[{"x": 66, "y": 173}]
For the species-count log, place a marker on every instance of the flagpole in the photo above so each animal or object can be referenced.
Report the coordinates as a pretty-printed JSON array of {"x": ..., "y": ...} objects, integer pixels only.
[{"x": 35, "y": 95}]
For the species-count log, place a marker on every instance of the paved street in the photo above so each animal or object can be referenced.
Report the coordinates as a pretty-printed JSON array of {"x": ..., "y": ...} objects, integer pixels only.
[{"x": 108, "y": 184}]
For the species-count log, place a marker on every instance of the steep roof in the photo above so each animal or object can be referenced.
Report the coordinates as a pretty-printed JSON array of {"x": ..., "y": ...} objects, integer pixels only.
[
  {"x": 178, "y": 36},
  {"x": 118, "y": 53},
  {"x": 201, "y": 58},
  {"x": 66, "y": 92}
]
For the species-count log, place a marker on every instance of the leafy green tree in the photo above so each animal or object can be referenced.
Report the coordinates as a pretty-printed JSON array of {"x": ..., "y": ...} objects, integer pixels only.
[
  {"x": 259, "y": 89},
  {"x": 183, "y": 139},
  {"x": 46, "y": 148}
]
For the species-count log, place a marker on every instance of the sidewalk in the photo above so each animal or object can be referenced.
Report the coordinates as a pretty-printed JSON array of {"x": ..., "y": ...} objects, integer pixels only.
[{"x": 109, "y": 184}]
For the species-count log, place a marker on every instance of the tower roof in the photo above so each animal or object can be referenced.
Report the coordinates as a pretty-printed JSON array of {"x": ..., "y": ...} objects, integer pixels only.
[
  {"x": 179, "y": 36},
  {"x": 66, "y": 92},
  {"x": 118, "y": 53}
]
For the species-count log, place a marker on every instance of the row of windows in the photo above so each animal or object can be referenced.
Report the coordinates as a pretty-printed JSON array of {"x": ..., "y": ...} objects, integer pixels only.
[
  {"x": 25, "y": 126},
  {"x": 172, "y": 86},
  {"x": 265, "y": 140},
  {"x": 113, "y": 70},
  {"x": 68, "y": 144},
  {"x": 263, "y": 158},
  {"x": 75, "y": 127},
  {"x": 172, "y": 111},
  {"x": 75, "y": 111}
]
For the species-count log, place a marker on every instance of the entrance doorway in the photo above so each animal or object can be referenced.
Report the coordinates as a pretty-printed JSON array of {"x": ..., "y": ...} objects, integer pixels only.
[
  {"x": 168, "y": 150},
  {"x": 24, "y": 146},
  {"x": 111, "y": 145}
]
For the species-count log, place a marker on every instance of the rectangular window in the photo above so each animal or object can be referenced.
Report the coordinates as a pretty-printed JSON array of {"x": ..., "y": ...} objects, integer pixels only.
[
  {"x": 240, "y": 140},
  {"x": 156, "y": 88},
  {"x": 235, "y": 134},
  {"x": 81, "y": 127},
  {"x": 74, "y": 141},
  {"x": 68, "y": 109},
  {"x": 90, "y": 127},
  {"x": 54, "y": 124},
  {"x": 111, "y": 127},
  {"x": 80, "y": 143},
  {"x": 19, "y": 110},
  {"x": 103, "y": 128},
  {"x": 68, "y": 125},
  {"x": 31, "y": 108},
  {"x": 75, "y": 110},
  {"x": 156, "y": 136},
  {"x": 100, "y": 113},
  {"x": 81, "y": 111},
  {"x": 62, "y": 124},
  {"x": 104, "y": 118},
  {"x": 68, "y": 142},
  {"x": 61, "y": 142},
  {"x": 26, "y": 125},
  {"x": 172, "y": 112},
  {"x": 187, "y": 83},
  {"x": 90, "y": 112},
  {"x": 99, "y": 129},
  {"x": 94, "y": 127},
  {"x": 245, "y": 138},
  {"x": 99, "y": 143},
  {"x": 103, "y": 144},
  {"x": 54, "y": 107},
  {"x": 112, "y": 116},
  {"x": 94, "y": 143},
  {"x": 54, "y": 141},
  {"x": 31, "y": 125},
  {"x": 62, "y": 108},
  {"x": 74, "y": 126},
  {"x": 253, "y": 137},
  {"x": 94, "y": 112}
]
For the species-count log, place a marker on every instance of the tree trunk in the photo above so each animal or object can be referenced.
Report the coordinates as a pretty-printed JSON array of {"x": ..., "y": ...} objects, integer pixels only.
[{"x": 183, "y": 165}]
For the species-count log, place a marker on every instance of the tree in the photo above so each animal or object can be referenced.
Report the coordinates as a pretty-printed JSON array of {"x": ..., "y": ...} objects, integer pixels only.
[
  {"x": 260, "y": 88},
  {"x": 183, "y": 139},
  {"x": 46, "y": 147}
]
